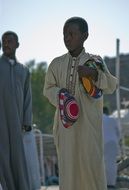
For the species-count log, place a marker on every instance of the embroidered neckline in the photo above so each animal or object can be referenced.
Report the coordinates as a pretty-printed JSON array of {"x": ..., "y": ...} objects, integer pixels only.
[
  {"x": 72, "y": 75},
  {"x": 72, "y": 72}
]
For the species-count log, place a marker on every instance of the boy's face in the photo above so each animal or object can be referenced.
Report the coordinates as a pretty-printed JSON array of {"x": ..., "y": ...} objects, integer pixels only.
[
  {"x": 9, "y": 45},
  {"x": 73, "y": 37}
]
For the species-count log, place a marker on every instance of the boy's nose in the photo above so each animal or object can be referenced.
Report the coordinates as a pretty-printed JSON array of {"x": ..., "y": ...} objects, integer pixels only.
[
  {"x": 67, "y": 40},
  {"x": 68, "y": 37}
]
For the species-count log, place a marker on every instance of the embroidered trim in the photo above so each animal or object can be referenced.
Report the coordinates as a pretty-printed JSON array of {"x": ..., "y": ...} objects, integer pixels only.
[{"x": 72, "y": 75}]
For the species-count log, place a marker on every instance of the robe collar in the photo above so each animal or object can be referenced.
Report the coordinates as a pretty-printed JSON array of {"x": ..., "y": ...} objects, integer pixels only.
[
  {"x": 79, "y": 56},
  {"x": 12, "y": 62},
  {"x": 82, "y": 57}
]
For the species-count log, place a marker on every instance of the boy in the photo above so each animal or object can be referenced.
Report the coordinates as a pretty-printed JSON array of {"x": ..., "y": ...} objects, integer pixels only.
[{"x": 80, "y": 146}]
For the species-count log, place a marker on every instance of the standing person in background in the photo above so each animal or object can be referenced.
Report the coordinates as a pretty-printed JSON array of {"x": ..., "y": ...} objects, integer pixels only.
[
  {"x": 0, "y": 45},
  {"x": 112, "y": 138},
  {"x": 15, "y": 116},
  {"x": 74, "y": 84}
]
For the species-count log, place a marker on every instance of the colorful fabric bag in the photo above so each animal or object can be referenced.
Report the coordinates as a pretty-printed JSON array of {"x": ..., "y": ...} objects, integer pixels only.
[{"x": 69, "y": 109}]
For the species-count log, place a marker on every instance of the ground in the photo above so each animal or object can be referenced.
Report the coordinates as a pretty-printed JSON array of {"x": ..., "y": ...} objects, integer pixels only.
[{"x": 50, "y": 188}]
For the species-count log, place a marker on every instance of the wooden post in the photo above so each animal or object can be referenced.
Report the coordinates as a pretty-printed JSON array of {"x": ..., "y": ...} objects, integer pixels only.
[{"x": 118, "y": 101}]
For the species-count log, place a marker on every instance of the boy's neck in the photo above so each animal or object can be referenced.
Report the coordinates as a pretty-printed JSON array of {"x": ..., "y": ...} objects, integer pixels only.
[
  {"x": 10, "y": 56},
  {"x": 76, "y": 52}
]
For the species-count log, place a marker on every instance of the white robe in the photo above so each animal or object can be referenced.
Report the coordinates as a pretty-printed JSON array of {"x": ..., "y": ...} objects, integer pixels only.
[
  {"x": 111, "y": 147},
  {"x": 80, "y": 148}
]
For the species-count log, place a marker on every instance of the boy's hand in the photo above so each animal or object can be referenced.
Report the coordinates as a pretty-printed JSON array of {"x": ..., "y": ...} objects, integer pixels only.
[{"x": 85, "y": 71}]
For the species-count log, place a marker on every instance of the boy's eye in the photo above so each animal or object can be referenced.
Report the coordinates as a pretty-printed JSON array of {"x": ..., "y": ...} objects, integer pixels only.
[{"x": 70, "y": 34}]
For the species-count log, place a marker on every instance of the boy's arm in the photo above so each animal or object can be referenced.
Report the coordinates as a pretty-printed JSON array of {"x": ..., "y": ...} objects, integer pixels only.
[
  {"x": 106, "y": 81},
  {"x": 27, "y": 107},
  {"x": 50, "y": 86},
  {"x": 99, "y": 73}
]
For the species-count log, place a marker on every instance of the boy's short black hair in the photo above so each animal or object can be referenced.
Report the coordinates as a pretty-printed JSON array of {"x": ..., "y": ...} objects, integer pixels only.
[
  {"x": 81, "y": 22},
  {"x": 11, "y": 33}
]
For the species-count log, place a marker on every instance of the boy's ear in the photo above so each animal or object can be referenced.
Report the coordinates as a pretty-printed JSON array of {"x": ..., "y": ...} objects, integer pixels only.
[
  {"x": 18, "y": 44},
  {"x": 85, "y": 36}
]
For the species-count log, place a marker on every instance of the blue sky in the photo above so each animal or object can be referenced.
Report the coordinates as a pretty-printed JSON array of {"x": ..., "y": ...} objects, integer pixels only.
[{"x": 39, "y": 25}]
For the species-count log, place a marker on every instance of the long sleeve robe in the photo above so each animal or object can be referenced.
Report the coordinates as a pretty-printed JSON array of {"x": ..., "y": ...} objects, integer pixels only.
[
  {"x": 15, "y": 111},
  {"x": 80, "y": 147}
]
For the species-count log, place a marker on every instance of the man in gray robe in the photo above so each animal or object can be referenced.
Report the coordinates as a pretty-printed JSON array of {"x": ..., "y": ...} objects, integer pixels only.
[
  {"x": 15, "y": 114},
  {"x": 0, "y": 45}
]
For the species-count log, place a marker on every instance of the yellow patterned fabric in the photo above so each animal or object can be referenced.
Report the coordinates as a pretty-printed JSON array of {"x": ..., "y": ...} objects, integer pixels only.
[{"x": 88, "y": 83}]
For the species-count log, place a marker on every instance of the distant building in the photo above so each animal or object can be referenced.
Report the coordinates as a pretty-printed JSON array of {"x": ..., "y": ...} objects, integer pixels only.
[{"x": 124, "y": 79}]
